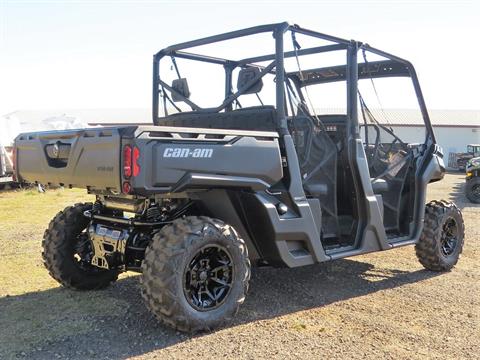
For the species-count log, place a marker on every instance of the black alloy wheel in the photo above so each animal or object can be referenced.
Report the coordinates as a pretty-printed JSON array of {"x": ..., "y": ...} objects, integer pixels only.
[
  {"x": 449, "y": 236},
  {"x": 208, "y": 278}
]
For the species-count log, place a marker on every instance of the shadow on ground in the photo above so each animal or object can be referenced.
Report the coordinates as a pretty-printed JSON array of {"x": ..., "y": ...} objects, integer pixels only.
[{"x": 114, "y": 323}]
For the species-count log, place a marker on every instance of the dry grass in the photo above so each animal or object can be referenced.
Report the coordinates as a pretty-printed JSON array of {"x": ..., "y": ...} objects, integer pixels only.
[
  {"x": 30, "y": 313},
  {"x": 381, "y": 305},
  {"x": 24, "y": 216}
]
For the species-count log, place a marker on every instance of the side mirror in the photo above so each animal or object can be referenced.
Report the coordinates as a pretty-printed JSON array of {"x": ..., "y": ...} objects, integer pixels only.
[{"x": 181, "y": 87}]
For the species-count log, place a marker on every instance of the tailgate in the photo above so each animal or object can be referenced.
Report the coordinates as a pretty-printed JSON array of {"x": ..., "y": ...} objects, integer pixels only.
[{"x": 88, "y": 158}]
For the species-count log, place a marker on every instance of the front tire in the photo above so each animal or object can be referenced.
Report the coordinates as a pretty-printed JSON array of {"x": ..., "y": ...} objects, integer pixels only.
[
  {"x": 441, "y": 242},
  {"x": 472, "y": 190},
  {"x": 195, "y": 274},
  {"x": 66, "y": 250}
]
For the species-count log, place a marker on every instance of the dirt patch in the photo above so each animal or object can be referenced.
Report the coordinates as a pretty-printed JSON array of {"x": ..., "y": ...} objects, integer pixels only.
[{"x": 382, "y": 305}]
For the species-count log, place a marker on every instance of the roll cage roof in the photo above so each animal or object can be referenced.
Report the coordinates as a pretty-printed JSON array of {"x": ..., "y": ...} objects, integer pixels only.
[{"x": 394, "y": 66}]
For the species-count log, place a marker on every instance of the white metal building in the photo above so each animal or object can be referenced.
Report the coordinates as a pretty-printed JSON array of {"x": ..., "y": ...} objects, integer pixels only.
[{"x": 454, "y": 129}]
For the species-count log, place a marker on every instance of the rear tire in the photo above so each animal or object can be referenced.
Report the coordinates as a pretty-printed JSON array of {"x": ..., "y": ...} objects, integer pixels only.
[
  {"x": 62, "y": 243},
  {"x": 472, "y": 190},
  {"x": 441, "y": 242},
  {"x": 184, "y": 268}
]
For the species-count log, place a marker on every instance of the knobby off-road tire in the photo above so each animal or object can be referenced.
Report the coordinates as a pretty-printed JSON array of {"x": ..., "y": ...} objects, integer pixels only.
[
  {"x": 441, "y": 242},
  {"x": 472, "y": 190},
  {"x": 169, "y": 265},
  {"x": 61, "y": 243}
]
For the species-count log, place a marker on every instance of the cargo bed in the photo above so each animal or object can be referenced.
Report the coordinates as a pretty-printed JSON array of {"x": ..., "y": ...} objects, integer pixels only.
[{"x": 168, "y": 158}]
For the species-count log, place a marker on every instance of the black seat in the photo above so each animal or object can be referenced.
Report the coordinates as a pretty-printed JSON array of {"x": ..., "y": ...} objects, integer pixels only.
[{"x": 260, "y": 118}]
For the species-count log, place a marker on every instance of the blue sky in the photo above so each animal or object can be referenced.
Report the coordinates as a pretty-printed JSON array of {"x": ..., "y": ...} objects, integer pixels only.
[{"x": 97, "y": 54}]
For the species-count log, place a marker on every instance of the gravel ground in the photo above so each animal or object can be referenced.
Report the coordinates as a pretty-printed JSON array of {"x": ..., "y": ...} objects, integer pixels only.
[{"x": 381, "y": 305}]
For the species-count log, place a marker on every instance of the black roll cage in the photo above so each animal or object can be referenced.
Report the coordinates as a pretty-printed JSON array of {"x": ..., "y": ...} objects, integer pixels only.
[{"x": 351, "y": 72}]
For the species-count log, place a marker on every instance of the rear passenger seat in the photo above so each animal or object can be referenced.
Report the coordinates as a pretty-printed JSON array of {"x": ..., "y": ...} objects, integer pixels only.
[{"x": 259, "y": 118}]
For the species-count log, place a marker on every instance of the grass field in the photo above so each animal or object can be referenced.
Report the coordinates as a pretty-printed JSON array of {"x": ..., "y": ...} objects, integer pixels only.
[
  {"x": 29, "y": 308},
  {"x": 381, "y": 305}
]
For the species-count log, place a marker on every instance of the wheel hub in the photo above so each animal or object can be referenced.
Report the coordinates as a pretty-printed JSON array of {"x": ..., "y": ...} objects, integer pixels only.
[
  {"x": 203, "y": 276},
  {"x": 449, "y": 237},
  {"x": 208, "y": 278}
]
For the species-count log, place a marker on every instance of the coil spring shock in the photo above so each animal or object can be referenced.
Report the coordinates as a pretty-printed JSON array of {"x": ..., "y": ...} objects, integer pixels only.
[
  {"x": 153, "y": 213},
  {"x": 97, "y": 207}
]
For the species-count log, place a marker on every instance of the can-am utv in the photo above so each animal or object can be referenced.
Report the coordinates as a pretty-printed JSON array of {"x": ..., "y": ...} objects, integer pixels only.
[{"x": 256, "y": 174}]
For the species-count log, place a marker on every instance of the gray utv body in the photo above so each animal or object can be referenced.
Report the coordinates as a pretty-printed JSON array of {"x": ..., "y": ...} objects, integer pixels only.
[{"x": 296, "y": 195}]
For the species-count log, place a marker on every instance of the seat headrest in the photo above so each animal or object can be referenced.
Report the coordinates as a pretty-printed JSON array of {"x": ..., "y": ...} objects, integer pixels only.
[
  {"x": 180, "y": 86},
  {"x": 245, "y": 76}
]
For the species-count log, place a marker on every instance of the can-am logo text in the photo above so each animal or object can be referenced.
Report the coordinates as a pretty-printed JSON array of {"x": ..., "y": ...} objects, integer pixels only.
[{"x": 187, "y": 153}]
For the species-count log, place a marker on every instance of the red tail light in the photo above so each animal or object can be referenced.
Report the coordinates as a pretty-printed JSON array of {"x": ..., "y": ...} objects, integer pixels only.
[
  {"x": 127, "y": 161},
  {"x": 136, "y": 156}
]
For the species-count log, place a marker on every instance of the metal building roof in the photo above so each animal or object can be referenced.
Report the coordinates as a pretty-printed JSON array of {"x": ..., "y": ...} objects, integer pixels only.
[{"x": 442, "y": 118}]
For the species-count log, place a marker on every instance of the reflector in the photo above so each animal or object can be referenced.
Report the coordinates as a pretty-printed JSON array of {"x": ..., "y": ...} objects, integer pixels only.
[{"x": 126, "y": 188}]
